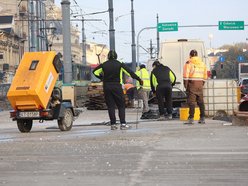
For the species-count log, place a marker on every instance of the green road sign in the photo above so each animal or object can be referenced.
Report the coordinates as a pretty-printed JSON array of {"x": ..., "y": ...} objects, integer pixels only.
[
  {"x": 167, "y": 27},
  {"x": 231, "y": 25}
]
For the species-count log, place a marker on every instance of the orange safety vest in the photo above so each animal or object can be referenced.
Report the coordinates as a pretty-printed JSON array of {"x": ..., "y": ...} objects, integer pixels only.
[
  {"x": 126, "y": 87},
  {"x": 194, "y": 69}
]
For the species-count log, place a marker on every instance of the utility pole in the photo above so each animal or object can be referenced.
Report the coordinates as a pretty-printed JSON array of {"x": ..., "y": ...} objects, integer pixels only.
[
  {"x": 36, "y": 23},
  {"x": 66, "y": 41},
  {"x": 32, "y": 45},
  {"x": 84, "y": 60},
  {"x": 157, "y": 37},
  {"x": 83, "y": 43},
  {"x": 111, "y": 26},
  {"x": 133, "y": 46},
  {"x": 151, "y": 50}
]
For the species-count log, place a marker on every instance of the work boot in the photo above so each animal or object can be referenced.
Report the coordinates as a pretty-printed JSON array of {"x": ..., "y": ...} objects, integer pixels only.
[
  {"x": 114, "y": 127},
  {"x": 125, "y": 126},
  {"x": 202, "y": 121},
  {"x": 190, "y": 121},
  {"x": 144, "y": 115},
  {"x": 161, "y": 118},
  {"x": 169, "y": 117}
]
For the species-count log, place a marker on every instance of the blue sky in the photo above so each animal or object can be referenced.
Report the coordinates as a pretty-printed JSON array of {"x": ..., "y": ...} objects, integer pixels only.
[{"x": 190, "y": 12}]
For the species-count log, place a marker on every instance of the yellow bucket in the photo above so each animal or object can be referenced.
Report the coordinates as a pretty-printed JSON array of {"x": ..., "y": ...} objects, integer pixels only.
[
  {"x": 184, "y": 114},
  {"x": 238, "y": 94}
]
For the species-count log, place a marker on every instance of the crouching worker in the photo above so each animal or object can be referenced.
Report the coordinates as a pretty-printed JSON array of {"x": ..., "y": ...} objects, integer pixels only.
[
  {"x": 110, "y": 72},
  {"x": 162, "y": 81},
  {"x": 131, "y": 92}
]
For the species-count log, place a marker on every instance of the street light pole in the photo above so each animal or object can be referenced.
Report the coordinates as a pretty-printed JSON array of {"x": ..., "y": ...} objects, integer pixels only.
[
  {"x": 83, "y": 43},
  {"x": 66, "y": 41},
  {"x": 32, "y": 44},
  {"x": 146, "y": 28},
  {"x": 158, "y": 39},
  {"x": 111, "y": 26},
  {"x": 133, "y": 46}
]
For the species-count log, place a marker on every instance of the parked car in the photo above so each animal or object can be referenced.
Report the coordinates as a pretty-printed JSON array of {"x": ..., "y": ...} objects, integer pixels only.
[{"x": 244, "y": 86}]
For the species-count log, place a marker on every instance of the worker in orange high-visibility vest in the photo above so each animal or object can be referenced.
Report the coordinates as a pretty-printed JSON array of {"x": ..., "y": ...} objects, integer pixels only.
[
  {"x": 194, "y": 77},
  {"x": 130, "y": 90}
]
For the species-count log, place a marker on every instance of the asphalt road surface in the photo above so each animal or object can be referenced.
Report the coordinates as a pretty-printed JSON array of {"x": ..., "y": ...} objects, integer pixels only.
[{"x": 154, "y": 153}]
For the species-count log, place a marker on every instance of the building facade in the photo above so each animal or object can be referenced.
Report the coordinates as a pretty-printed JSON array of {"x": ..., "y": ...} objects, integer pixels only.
[
  {"x": 36, "y": 25},
  {"x": 11, "y": 41}
]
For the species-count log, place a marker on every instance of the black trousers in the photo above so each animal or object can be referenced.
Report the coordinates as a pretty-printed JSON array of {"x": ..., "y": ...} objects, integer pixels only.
[
  {"x": 114, "y": 96},
  {"x": 164, "y": 93}
]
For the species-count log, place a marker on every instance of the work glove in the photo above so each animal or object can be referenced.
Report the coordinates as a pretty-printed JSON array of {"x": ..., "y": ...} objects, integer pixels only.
[
  {"x": 101, "y": 76},
  {"x": 141, "y": 82},
  {"x": 173, "y": 84}
]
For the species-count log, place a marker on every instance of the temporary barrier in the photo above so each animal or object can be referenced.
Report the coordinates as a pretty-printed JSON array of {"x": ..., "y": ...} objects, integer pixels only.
[{"x": 220, "y": 95}]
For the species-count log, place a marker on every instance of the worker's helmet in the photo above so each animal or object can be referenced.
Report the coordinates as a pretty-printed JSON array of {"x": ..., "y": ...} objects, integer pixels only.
[
  {"x": 112, "y": 54},
  {"x": 142, "y": 66},
  {"x": 193, "y": 53},
  {"x": 155, "y": 63}
]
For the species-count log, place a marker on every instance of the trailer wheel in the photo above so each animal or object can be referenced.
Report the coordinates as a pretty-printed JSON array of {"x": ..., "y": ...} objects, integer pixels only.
[
  {"x": 24, "y": 125},
  {"x": 65, "y": 123}
]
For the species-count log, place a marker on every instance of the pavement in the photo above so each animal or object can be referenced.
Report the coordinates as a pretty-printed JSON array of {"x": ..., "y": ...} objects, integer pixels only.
[{"x": 151, "y": 153}]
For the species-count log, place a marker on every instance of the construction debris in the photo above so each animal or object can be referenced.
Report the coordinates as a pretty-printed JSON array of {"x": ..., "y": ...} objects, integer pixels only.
[
  {"x": 96, "y": 100},
  {"x": 95, "y": 96}
]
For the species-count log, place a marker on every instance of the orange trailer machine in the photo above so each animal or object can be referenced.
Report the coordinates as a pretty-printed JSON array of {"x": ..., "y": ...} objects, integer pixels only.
[{"x": 33, "y": 94}]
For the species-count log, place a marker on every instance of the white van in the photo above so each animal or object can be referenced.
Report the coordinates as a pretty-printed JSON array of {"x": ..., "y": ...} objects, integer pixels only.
[{"x": 174, "y": 54}]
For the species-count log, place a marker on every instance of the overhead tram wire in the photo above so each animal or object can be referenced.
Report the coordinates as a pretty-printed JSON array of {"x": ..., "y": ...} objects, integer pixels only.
[
  {"x": 79, "y": 13},
  {"x": 83, "y": 13}
]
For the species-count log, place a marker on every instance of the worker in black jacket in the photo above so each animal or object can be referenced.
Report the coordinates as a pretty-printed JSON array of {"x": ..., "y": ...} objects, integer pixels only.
[
  {"x": 110, "y": 72},
  {"x": 162, "y": 80}
]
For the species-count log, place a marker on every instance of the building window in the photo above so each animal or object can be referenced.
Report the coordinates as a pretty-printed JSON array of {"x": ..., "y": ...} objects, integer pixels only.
[{"x": 1, "y": 56}]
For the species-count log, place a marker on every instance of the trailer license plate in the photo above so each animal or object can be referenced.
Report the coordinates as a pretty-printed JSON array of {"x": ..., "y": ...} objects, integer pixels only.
[{"x": 29, "y": 114}]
